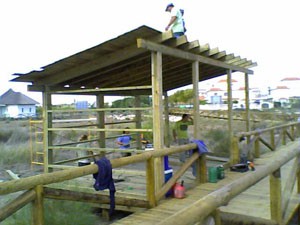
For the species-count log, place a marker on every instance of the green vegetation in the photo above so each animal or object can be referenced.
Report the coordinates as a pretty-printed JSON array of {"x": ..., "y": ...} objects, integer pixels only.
[
  {"x": 130, "y": 102},
  {"x": 57, "y": 213}
]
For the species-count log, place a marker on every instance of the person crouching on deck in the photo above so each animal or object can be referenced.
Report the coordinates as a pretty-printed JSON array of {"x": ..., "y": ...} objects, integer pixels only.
[
  {"x": 83, "y": 153},
  {"x": 124, "y": 142}
]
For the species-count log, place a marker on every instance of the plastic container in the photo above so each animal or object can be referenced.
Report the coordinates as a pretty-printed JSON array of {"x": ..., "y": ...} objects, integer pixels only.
[
  {"x": 221, "y": 172},
  {"x": 212, "y": 174},
  {"x": 168, "y": 175},
  {"x": 179, "y": 190}
]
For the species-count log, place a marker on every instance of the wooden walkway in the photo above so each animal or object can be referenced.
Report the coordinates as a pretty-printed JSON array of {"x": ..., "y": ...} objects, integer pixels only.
[{"x": 253, "y": 204}]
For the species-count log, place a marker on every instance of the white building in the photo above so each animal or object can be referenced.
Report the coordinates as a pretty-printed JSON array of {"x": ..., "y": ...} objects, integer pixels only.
[{"x": 16, "y": 105}]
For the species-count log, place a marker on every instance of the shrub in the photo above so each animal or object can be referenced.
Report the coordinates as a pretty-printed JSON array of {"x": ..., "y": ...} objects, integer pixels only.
[{"x": 218, "y": 142}]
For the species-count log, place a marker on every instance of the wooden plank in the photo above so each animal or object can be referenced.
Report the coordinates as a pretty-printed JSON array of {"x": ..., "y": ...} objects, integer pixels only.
[
  {"x": 95, "y": 64},
  {"x": 141, "y": 43}
]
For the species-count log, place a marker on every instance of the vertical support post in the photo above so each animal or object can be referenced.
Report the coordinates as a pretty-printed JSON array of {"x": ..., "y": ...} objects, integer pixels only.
[
  {"x": 150, "y": 181},
  {"x": 247, "y": 99},
  {"x": 201, "y": 170},
  {"x": 167, "y": 121},
  {"x": 283, "y": 136},
  {"x": 272, "y": 139},
  {"x": 47, "y": 135},
  {"x": 138, "y": 121},
  {"x": 38, "y": 207},
  {"x": 101, "y": 121},
  {"x": 233, "y": 155},
  {"x": 158, "y": 122},
  {"x": 217, "y": 216},
  {"x": 257, "y": 147},
  {"x": 275, "y": 196},
  {"x": 293, "y": 134}
]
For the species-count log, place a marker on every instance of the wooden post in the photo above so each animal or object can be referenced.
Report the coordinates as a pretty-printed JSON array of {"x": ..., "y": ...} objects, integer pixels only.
[
  {"x": 38, "y": 207},
  {"x": 284, "y": 136},
  {"x": 272, "y": 139},
  {"x": 158, "y": 122},
  {"x": 275, "y": 196},
  {"x": 47, "y": 135},
  {"x": 138, "y": 121},
  {"x": 150, "y": 181},
  {"x": 101, "y": 122},
  {"x": 256, "y": 148},
  {"x": 247, "y": 104},
  {"x": 167, "y": 122},
  {"x": 201, "y": 170},
  {"x": 229, "y": 105}
]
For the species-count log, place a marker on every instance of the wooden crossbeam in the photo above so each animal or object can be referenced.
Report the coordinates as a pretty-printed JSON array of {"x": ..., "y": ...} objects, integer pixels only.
[{"x": 142, "y": 43}]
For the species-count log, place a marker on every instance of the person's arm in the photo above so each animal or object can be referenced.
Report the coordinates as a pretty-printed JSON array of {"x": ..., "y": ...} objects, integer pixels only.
[{"x": 172, "y": 20}]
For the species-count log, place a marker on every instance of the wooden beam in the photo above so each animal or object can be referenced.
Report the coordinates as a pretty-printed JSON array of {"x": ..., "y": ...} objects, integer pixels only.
[
  {"x": 101, "y": 122},
  {"x": 16, "y": 204},
  {"x": 190, "y": 45},
  {"x": 47, "y": 136},
  {"x": 138, "y": 119},
  {"x": 91, "y": 65},
  {"x": 99, "y": 197},
  {"x": 167, "y": 121},
  {"x": 97, "y": 90},
  {"x": 234, "y": 156},
  {"x": 158, "y": 122},
  {"x": 142, "y": 43},
  {"x": 247, "y": 103}
]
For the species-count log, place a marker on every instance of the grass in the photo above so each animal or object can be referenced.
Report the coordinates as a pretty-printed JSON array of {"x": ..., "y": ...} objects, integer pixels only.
[{"x": 56, "y": 213}]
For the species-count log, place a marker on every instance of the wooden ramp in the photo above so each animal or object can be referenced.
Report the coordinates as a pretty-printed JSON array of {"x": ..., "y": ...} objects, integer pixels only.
[{"x": 252, "y": 205}]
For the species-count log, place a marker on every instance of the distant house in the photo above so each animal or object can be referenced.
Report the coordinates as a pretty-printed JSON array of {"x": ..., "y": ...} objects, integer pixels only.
[{"x": 17, "y": 105}]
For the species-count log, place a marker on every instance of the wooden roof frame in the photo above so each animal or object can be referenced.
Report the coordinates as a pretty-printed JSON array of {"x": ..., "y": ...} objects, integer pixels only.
[{"x": 126, "y": 62}]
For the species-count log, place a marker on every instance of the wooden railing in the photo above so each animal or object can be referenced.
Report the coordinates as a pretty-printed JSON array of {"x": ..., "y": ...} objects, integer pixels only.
[
  {"x": 279, "y": 199},
  {"x": 35, "y": 190},
  {"x": 277, "y": 136}
]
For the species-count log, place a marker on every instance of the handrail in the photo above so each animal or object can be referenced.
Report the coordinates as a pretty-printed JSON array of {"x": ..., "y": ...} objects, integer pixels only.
[
  {"x": 206, "y": 205},
  {"x": 48, "y": 178}
]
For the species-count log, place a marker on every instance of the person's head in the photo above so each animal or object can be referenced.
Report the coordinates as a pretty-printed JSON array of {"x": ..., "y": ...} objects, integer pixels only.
[
  {"x": 242, "y": 138},
  {"x": 126, "y": 131},
  {"x": 169, "y": 7},
  {"x": 83, "y": 137},
  {"x": 182, "y": 11},
  {"x": 185, "y": 117}
]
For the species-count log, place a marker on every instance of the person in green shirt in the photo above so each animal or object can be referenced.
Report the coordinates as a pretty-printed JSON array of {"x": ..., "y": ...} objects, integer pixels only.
[{"x": 180, "y": 133}]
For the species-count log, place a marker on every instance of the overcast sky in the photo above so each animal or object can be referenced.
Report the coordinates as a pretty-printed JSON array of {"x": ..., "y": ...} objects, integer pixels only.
[{"x": 35, "y": 33}]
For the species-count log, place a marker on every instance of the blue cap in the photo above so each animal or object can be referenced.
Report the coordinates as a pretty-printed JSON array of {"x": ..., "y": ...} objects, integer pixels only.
[{"x": 169, "y": 5}]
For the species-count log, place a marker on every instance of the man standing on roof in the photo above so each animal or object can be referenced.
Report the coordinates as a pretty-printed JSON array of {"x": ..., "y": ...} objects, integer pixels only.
[{"x": 176, "y": 22}]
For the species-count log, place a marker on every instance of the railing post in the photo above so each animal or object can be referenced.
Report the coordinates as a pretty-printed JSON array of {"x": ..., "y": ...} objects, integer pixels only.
[
  {"x": 150, "y": 182},
  {"x": 272, "y": 139},
  {"x": 257, "y": 147},
  {"x": 275, "y": 196},
  {"x": 293, "y": 134},
  {"x": 283, "y": 136},
  {"x": 235, "y": 151},
  {"x": 38, "y": 207}
]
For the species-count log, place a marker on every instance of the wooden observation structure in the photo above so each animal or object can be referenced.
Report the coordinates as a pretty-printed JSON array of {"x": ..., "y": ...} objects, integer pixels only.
[
  {"x": 143, "y": 61},
  {"x": 147, "y": 62}
]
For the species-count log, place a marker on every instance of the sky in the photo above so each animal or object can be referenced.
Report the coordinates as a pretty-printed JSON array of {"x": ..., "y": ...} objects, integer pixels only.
[{"x": 35, "y": 33}]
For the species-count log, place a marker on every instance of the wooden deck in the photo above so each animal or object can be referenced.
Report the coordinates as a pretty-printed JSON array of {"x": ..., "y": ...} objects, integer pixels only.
[{"x": 253, "y": 204}]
